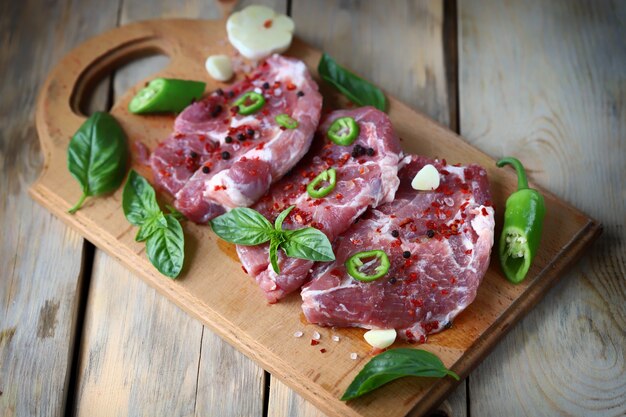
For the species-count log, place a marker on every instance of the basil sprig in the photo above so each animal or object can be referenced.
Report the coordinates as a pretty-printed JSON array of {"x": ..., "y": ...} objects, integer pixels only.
[
  {"x": 357, "y": 89},
  {"x": 97, "y": 156},
  {"x": 393, "y": 364},
  {"x": 165, "y": 241},
  {"x": 245, "y": 226}
]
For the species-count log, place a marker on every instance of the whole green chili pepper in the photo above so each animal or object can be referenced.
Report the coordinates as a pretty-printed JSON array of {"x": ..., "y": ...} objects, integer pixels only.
[
  {"x": 523, "y": 222},
  {"x": 166, "y": 95}
]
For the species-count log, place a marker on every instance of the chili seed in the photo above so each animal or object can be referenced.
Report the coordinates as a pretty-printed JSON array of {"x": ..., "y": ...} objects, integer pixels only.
[
  {"x": 228, "y": 139},
  {"x": 250, "y": 132},
  {"x": 225, "y": 155},
  {"x": 205, "y": 169},
  {"x": 430, "y": 233},
  {"x": 406, "y": 254},
  {"x": 193, "y": 154},
  {"x": 370, "y": 151},
  {"x": 395, "y": 233},
  {"x": 241, "y": 136},
  {"x": 266, "y": 85},
  {"x": 300, "y": 93}
]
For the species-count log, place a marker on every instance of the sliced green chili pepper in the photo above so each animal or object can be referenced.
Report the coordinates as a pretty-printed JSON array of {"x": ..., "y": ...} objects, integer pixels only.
[
  {"x": 286, "y": 121},
  {"x": 523, "y": 221},
  {"x": 355, "y": 262},
  {"x": 249, "y": 103},
  {"x": 329, "y": 175},
  {"x": 343, "y": 131},
  {"x": 166, "y": 95}
]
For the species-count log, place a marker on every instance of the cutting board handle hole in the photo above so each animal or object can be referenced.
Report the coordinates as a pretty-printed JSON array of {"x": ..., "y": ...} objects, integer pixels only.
[{"x": 102, "y": 83}]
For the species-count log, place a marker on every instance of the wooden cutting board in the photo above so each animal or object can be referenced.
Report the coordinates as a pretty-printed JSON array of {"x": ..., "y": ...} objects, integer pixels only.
[{"x": 212, "y": 286}]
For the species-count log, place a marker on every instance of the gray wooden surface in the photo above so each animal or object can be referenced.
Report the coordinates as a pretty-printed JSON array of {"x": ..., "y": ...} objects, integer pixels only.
[{"x": 544, "y": 81}]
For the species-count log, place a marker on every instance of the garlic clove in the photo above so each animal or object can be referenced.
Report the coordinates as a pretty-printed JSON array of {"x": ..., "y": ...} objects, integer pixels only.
[
  {"x": 427, "y": 179},
  {"x": 219, "y": 67},
  {"x": 380, "y": 338}
]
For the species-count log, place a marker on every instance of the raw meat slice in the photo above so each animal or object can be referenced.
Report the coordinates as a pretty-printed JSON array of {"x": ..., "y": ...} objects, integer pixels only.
[
  {"x": 362, "y": 182},
  {"x": 448, "y": 233},
  {"x": 225, "y": 173}
]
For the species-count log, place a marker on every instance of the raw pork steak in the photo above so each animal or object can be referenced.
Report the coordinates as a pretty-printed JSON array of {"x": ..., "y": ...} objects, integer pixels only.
[
  {"x": 367, "y": 180},
  {"x": 448, "y": 234},
  {"x": 218, "y": 159}
]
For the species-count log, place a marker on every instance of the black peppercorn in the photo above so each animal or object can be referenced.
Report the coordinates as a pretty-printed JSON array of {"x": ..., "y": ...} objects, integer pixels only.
[
  {"x": 225, "y": 155},
  {"x": 430, "y": 233},
  {"x": 300, "y": 93},
  {"x": 205, "y": 169},
  {"x": 228, "y": 139},
  {"x": 395, "y": 233},
  {"x": 241, "y": 136},
  {"x": 193, "y": 155},
  {"x": 406, "y": 254},
  {"x": 216, "y": 111},
  {"x": 393, "y": 280},
  {"x": 266, "y": 85},
  {"x": 250, "y": 132},
  {"x": 370, "y": 151}
]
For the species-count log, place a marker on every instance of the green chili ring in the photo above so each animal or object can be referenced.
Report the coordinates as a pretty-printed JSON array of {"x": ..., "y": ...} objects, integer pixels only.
[
  {"x": 286, "y": 121},
  {"x": 355, "y": 262},
  {"x": 523, "y": 223},
  {"x": 249, "y": 103},
  {"x": 329, "y": 175},
  {"x": 343, "y": 131}
]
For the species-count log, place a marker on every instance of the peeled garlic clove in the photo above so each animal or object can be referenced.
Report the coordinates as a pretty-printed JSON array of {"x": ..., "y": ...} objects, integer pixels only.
[
  {"x": 427, "y": 179},
  {"x": 258, "y": 32},
  {"x": 219, "y": 67},
  {"x": 380, "y": 338}
]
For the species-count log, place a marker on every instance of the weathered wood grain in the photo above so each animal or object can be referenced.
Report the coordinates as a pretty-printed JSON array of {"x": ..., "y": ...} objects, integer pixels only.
[
  {"x": 40, "y": 258},
  {"x": 544, "y": 81},
  {"x": 215, "y": 365},
  {"x": 413, "y": 70}
]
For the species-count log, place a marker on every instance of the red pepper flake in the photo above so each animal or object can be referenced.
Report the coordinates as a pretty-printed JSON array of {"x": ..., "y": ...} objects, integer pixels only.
[
  {"x": 291, "y": 86},
  {"x": 323, "y": 350},
  {"x": 452, "y": 280},
  {"x": 260, "y": 146},
  {"x": 412, "y": 278},
  {"x": 244, "y": 269},
  {"x": 444, "y": 292},
  {"x": 314, "y": 342},
  {"x": 339, "y": 196},
  {"x": 219, "y": 187},
  {"x": 467, "y": 252},
  {"x": 405, "y": 222},
  {"x": 484, "y": 212},
  {"x": 422, "y": 339},
  {"x": 444, "y": 172},
  {"x": 408, "y": 263}
]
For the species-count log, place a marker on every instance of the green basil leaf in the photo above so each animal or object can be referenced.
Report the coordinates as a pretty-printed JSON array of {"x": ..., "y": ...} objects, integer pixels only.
[
  {"x": 177, "y": 214},
  {"x": 278, "y": 224},
  {"x": 357, "y": 89},
  {"x": 274, "y": 243},
  {"x": 166, "y": 247},
  {"x": 243, "y": 226},
  {"x": 393, "y": 364},
  {"x": 308, "y": 243},
  {"x": 139, "y": 200},
  {"x": 97, "y": 156},
  {"x": 150, "y": 226}
]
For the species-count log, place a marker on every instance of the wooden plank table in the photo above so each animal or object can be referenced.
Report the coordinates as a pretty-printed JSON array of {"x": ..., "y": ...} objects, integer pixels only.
[{"x": 544, "y": 81}]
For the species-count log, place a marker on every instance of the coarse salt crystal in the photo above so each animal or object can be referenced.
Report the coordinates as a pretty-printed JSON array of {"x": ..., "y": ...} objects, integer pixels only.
[
  {"x": 258, "y": 90},
  {"x": 278, "y": 92},
  {"x": 353, "y": 356},
  {"x": 298, "y": 334},
  {"x": 335, "y": 338},
  {"x": 316, "y": 336}
]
